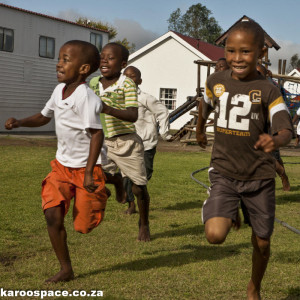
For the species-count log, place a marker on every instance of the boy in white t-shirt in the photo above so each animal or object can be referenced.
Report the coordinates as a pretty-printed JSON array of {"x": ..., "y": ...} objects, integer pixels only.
[{"x": 76, "y": 171}]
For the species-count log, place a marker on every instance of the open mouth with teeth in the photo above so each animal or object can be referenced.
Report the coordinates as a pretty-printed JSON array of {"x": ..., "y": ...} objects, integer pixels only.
[{"x": 59, "y": 74}]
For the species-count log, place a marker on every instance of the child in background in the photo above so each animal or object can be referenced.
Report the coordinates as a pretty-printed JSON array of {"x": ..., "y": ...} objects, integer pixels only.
[
  {"x": 242, "y": 167},
  {"x": 76, "y": 171},
  {"x": 151, "y": 113},
  {"x": 125, "y": 148},
  {"x": 221, "y": 65}
]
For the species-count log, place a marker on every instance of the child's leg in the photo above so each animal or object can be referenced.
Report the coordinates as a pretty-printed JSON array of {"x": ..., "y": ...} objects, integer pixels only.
[
  {"x": 260, "y": 258},
  {"x": 117, "y": 181},
  {"x": 143, "y": 201},
  {"x": 129, "y": 196},
  {"x": 58, "y": 237},
  {"x": 216, "y": 229}
]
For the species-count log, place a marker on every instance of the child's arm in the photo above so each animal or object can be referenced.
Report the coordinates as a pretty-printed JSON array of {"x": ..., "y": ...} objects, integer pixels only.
[
  {"x": 269, "y": 143},
  {"x": 200, "y": 130},
  {"x": 295, "y": 119},
  {"x": 129, "y": 114},
  {"x": 32, "y": 121},
  {"x": 94, "y": 152}
]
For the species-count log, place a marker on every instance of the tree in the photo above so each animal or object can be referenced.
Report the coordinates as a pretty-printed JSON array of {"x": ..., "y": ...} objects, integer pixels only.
[
  {"x": 112, "y": 32},
  {"x": 126, "y": 43},
  {"x": 196, "y": 23},
  {"x": 294, "y": 63}
]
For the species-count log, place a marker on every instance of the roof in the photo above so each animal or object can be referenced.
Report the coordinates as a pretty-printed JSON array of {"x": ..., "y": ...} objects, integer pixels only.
[
  {"x": 202, "y": 49},
  {"x": 268, "y": 40},
  {"x": 50, "y": 17},
  {"x": 211, "y": 51}
]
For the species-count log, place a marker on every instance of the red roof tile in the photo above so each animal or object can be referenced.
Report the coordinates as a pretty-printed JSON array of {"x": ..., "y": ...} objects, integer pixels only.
[{"x": 209, "y": 50}]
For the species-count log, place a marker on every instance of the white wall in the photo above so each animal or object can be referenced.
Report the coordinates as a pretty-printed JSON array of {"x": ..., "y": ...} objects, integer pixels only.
[
  {"x": 27, "y": 80},
  {"x": 170, "y": 65}
]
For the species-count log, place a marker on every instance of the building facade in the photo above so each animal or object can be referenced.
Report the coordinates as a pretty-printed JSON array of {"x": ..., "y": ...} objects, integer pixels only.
[
  {"x": 29, "y": 47},
  {"x": 168, "y": 69}
]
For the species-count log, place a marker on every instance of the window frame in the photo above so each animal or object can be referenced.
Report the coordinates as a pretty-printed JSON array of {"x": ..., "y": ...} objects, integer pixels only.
[
  {"x": 4, "y": 39},
  {"x": 168, "y": 96},
  {"x": 47, "y": 38},
  {"x": 95, "y": 43}
]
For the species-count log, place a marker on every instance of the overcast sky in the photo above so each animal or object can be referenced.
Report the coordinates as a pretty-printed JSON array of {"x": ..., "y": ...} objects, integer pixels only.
[{"x": 142, "y": 21}]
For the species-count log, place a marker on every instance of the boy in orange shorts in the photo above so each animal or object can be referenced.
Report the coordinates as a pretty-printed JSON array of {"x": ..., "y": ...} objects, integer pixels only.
[{"x": 76, "y": 171}]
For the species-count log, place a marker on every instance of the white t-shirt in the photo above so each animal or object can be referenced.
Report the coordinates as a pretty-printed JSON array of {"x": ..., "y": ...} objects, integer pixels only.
[
  {"x": 298, "y": 126},
  {"x": 152, "y": 113},
  {"x": 73, "y": 118}
]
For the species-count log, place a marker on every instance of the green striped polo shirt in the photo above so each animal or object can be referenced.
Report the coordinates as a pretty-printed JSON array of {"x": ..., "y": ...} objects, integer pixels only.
[{"x": 120, "y": 95}]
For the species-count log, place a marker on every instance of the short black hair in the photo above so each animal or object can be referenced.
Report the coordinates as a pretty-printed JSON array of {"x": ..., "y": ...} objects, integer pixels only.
[
  {"x": 136, "y": 71},
  {"x": 124, "y": 50},
  {"x": 89, "y": 54},
  {"x": 252, "y": 27},
  {"x": 221, "y": 58}
]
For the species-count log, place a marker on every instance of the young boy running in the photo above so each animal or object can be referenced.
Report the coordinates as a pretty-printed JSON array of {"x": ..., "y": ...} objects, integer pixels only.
[
  {"x": 76, "y": 171},
  {"x": 152, "y": 113},
  {"x": 241, "y": 166},
  {"x": 124, "y": 147}
]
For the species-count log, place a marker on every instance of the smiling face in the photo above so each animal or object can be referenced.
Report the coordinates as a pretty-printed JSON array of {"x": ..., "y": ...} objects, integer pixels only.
[
  {"x": 111, "y": 61},
  {"x": 69, "y": 67},
  {"x": 242, "y": 53}
]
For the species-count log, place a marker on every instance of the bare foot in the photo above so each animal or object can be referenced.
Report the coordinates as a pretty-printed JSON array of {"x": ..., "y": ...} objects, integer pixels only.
[
  {"x": 252, "y": 292},
  {"x": 120, "y": 191},
  {"x": 144, "y": 233},
  {"x": 61, "y": 276},
  {"x": 131, "y": 208}
]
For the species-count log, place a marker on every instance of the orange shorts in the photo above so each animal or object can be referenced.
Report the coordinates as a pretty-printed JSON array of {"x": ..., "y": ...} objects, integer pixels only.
[{"x": 64, "y": 183}]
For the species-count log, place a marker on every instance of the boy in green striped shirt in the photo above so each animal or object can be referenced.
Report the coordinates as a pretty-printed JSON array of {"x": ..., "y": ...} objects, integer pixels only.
[{"x": 125, "y": 148}]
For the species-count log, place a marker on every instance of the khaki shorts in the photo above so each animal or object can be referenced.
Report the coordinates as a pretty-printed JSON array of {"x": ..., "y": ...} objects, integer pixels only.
[
  {"x": 126, "y": 152},
  {"x": 63, "y": 183},
  {"x": 257, "y": 195}
]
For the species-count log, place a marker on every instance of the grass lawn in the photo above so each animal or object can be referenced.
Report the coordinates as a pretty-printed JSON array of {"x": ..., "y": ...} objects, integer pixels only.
[{"x": 177, "y": 264}]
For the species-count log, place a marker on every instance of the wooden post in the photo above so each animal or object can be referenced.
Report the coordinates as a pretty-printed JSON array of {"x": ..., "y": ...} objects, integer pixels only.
[
  {"x": 198, "y": 80},
  {"x": 267, "y": 58},
  {"x": 284, "y": 66},
  {"x": 208, "y": 70},
  {"x": 279, "y": 65},
  {"x": 279, "y": 71}
]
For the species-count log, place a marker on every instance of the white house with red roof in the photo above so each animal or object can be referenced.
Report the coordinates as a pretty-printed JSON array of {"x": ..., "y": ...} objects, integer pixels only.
[
  {"x": 168, "y": 69},
  {"x": 29, "y": 47}
]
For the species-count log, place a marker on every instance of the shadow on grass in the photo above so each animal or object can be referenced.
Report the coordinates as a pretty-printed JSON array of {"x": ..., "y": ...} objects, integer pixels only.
[
  {"x": 185, "y": 205},
  {"x": 188, "y": 254},
  {"x": 287, "y": 198},
  {"x": 293, "y": 294},
  {"x": 287, "y": 257},
  {"x": 195, "y": 230}
]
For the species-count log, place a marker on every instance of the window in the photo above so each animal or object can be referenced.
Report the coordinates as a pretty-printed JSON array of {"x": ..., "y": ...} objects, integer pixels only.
[
  {"x": 168, "y": 97},
  {"x": 96, "y": 39},
  {"x": 6, "y": 39},
  {"x": 47, "y": 47}
]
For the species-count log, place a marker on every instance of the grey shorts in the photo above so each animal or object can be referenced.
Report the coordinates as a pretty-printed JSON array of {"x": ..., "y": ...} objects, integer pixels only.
[
  {"x": 257, "y": 195},
  {"x": 126, "y": 153}
]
